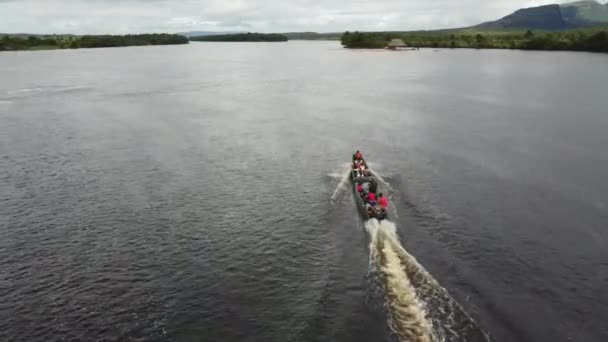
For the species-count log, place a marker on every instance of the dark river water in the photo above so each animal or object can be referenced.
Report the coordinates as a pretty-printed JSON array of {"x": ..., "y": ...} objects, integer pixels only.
[{"x": 196, "y": 193}]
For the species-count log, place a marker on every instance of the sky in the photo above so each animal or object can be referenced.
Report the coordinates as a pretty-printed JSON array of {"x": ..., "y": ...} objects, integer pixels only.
[{"x": 143, "y": 16}]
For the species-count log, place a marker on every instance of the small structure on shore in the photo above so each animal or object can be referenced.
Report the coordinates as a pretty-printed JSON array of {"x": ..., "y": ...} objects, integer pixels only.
[
  {"x": 399, "y": 44},
  {"x": 395, "y": 44}
]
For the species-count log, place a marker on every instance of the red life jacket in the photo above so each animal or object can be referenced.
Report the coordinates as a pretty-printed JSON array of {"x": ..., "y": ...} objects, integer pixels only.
[
  {"x": 371, "y": 196},
  {"x": 383, "y": 202},
  {"x": 359, "y": 188}
]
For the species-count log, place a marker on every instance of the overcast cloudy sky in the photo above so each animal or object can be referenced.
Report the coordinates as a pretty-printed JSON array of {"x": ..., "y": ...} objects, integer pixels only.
[{"x": 136, "y": 16}]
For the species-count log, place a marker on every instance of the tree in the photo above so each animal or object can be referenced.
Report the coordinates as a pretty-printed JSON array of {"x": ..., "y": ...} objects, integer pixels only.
[
  {"x": 33, "y": 40},
  {"x": 597, "y": 42},
  {"x": 480, "y": 40},
  {"x": 345, "y": 38}
]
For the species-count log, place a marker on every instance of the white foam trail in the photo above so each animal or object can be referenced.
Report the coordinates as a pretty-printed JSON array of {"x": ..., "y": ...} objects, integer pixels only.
[
  {"x": 408, "y": 318},
  {"x": 448, "y": 319},
  {"x": 24, "y": 90},
  {"x": 372, "y": 227},
  {"x": 419, "y": 308},
  {"x": 344, "y": 176},
  {"x": 389, "y": 229},
  {"x": 407, "y": 315}
]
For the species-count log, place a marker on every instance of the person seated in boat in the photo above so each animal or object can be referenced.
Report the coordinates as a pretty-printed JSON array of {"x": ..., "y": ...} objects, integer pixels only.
[
  {"x": 365, "y": 186},
  {"x": 371, "y": 198},
  {"x": 373, "y": 185},
  {"x": 360, "y": 180},
  {"x": 381, "y": 214},
  {"x": 358, "y": 155},
  {"x": 364, "y": 195},
  {"x": 371, "y": 212},
  {"x": 359, "y": 188},
  {"x": 382, "y": 201}
]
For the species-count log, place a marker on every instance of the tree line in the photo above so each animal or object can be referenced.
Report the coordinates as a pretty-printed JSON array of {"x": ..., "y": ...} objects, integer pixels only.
[
  {"x": 242, "y": 37},
  {"x": 97, "y": 41},
  {"x": 575, "y": 40}
]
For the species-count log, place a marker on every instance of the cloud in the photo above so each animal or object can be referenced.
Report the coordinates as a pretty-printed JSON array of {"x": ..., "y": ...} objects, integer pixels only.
[{"x": 135, "y": 16}]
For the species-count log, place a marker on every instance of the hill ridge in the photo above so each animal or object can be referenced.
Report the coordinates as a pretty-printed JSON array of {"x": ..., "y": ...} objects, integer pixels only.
[{"x": 577, "y": 14}]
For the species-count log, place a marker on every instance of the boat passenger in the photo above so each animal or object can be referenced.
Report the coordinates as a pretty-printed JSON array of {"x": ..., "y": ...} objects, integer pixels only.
[
  {"x": 365, "y": 186},
  {"x": 381, "y": 215},
  {"x": 364, "y": 194},
  {"x": 359, "y": 188},
  {"x": 373, "y": 184},
  {"x": 358, "y": 155},
  {"x": 371, "y": 198},
  {"x": 382, "y": 202}
]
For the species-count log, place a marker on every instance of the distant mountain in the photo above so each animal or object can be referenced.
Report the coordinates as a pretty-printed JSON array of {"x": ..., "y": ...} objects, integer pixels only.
[
  {"x": 577, "y": 14},
  {"x": 586, "y": 11}
]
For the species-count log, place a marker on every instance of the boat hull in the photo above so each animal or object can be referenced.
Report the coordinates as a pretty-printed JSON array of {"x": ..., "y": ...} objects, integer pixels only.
[{"x": 361, "y": 207}]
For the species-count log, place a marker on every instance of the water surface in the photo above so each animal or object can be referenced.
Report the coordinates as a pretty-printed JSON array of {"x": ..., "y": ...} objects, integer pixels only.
[{"x": 183, "y": 193}]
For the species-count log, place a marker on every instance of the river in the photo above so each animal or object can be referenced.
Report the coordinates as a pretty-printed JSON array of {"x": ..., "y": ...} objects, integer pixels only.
[{"x": 197, "y": 193}]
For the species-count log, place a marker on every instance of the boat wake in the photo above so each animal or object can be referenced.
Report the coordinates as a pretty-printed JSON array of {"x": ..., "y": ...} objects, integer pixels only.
[
  {"x": 344, "y": 177},
  {"x": 46, "y": 91},
  {"x": 380, "y": 179},
  {"x": 419, "y": 308},
  {"x": 407, "y": 314},
  {"x": 24, "y": 90}
]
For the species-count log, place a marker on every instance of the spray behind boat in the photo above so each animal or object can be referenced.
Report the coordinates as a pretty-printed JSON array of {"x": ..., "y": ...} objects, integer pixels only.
[{"x": 418, "y": 308}]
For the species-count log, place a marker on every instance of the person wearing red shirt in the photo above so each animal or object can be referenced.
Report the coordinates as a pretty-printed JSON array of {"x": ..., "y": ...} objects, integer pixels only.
[
  {"x": 382, "y": 202},
  {"x": 371, "y": 198}
]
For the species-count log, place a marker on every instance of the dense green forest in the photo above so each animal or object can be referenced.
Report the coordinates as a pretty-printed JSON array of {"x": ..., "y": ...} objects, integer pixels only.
[
  {"x": 75, "y": 42},
  {"x": 242, "y": 37},
  {"x": 312, "y": 36},
  {"x": 593, "y": 39}
]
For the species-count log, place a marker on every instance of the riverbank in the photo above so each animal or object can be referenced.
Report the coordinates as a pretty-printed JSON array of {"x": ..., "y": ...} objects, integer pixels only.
[
  {"x": 592, "y": 39},
  {"x": 242, "y": 37},
  {"x": 74, "y": 42}
]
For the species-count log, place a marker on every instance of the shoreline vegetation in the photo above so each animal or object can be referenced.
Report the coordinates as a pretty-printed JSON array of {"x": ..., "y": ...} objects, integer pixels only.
[
  {"x": 591, "y": 39},
  {"x": 242, "y": 37},
  {"x": 53, "y": 42},
  {"x": 312, "y": 36}
]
